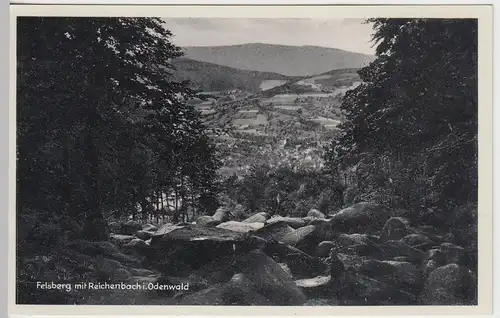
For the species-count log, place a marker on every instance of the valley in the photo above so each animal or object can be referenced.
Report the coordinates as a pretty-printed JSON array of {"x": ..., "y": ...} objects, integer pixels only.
[{"x": 285, "y": 123}]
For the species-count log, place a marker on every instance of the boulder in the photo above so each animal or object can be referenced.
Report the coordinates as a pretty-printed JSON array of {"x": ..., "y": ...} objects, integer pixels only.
[
  {"x": 261, "y": 217},
  {"x": 115, "y": 227},
  {"x": 221, "y": 215},
  {"x": 206, "y": 220},
  {"x": 450, "y": 285},
  {"x": 250, "y": 278},
  {"x": 391, "y": 249},
  {"x": 367, "y": 250},
  {"x": 120, "y": 239},
  {"x": 240, "y": 226},
  {"x": 165, "y": 229},
  {"x": 144, "y": 235},
  {"x": 437, "y": 256},
  {"x": 357, "y": 289},
  {"x": 403, "y": 275},
  {"x": 337, "y": 267},
  {"x": 323, "y": 249},
  {"x": 363, "y": 217},
  {"x": 416, "y": 239},
  {"x": 130, "y": 228},
  {"x": 316, "y": 286},
  {"x": 453, "y": 253},
  {"x": 271, "y": 281},
  {"x": 240, "y": 291},
  {"x": 302, "y": 265},
  {"x": 275, "y": 230},
  {"x": 316, "y": 214},
  {"x": 149, "y": 228},
  {"x": 354, "y": 239},
  {"x": 394, "y": 229},
  {"x": 182, "y": 249},
  {"x": 293, "y": 222},
  {"x": 303, "y": 238}
]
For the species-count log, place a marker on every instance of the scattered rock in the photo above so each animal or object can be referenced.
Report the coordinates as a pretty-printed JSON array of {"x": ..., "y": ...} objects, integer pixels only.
[
  {"x": 416, "y": 239},
  {"x": 115, "y": 227},
  {"x": 261, "y": 217},
  {"x": 316, "y": 286},
  {"x": 149, "y": 228},
  {"x": 130, "y": 228},
  {"x": 120, "y": 239},
  {"x": 275, "y": 230},
  {"x": 323, "y": 249},
  {"x": 221, "y": 215},
  {"x": 185, "y": 248},
  {"x": 450, "y": 285},
  {"x": 402, "y": 275},
  {"x": 453, "y": 252},
  {"x": 206, "y": 220},
  {"x": 337, "y": 267},
  {"x": 363, "y": 217},
  {"x": 240, "y": 226},
  {"x": 394, "y": 229},
  {"x": 144, "y": 235},
  {"x": 357, "y": 289},
  {"x": 293, "y": 222},
  {"x": 354, "y": 239},
  {"x": 316, "y": 214},
  {"x": 303, "y": 238}
]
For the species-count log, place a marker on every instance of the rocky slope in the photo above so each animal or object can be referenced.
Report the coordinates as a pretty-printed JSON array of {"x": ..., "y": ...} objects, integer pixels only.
[{"x": 361, "y": 255}]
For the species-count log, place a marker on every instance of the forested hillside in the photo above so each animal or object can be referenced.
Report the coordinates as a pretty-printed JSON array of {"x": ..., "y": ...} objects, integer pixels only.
[{"x": 345, "y": 187}]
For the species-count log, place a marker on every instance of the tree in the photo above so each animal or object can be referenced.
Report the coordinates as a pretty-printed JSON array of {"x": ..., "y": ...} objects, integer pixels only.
[
  {"x": 410, "y": 133},
  {"x": 101, "y": 125}
]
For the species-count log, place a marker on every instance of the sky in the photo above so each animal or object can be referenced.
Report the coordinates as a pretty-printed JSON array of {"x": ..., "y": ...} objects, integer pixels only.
[{"x": 345, "y": 34}]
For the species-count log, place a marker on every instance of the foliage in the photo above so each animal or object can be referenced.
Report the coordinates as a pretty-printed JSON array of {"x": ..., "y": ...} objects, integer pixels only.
[
  {"x": 101, "y": 127},
  {"x": 410, "y": 135},
  {"x": 284, "y": 190}
]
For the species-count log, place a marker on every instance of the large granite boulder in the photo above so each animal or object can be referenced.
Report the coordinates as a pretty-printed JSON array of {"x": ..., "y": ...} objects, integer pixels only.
[
  {"x": 450, "y": 285},
  {"x": 293, "y": 222},
  {"x": 260, "y": 217},
  {"x": 363, "y": 217},
  {"x": 180, "y": 249},
  {"x": 394, "y": 229},
  {"x": 240, "y": 226}
]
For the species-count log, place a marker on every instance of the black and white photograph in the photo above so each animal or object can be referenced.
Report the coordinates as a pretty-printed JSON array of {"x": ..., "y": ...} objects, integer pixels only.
[{"x": 205, "y": 161}]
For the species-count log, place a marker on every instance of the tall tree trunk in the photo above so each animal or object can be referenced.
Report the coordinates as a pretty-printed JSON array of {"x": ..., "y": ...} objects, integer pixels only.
[{"x": 95, "y": 227}]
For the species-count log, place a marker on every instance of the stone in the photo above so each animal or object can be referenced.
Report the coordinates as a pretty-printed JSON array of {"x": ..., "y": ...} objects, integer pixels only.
[
  {"x": 316, "y": 286},
  {"x": 293, "y": 222},
  {"x": 416, "y": 239},
  {"x": 314, "y": 213},
  {"x": 452, "y": 252},
  {"x": 260, "y": 217},
  {"x": 221, "y": 215},
  {"x": 149, "y": 228},
  {"x": 357, "y": 289},
  {"x": 363, "y": 217},
  {"x": 144, "y": 235},
  {"x": 323, "y": 249},
  {"x": 240, "y": 226},
  {"x": 394, "y": 229},
  {"x": 130, "y": 228},
  {"x": 275, "y": 230},
  {"x": 120, "y": 239},
  {"x": 403, "y": 275},
  {"x": 206, "y": 220},
  {"x": 303, "y": 238},
  {"x": 450, "y": 285},
  {"x": 185, "y": 248}
]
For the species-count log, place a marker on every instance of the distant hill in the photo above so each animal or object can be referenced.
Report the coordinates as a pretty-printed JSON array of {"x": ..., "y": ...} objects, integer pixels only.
[
  {"x": 214, "y": 77},
  {"x": 282, "y": 59}
]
